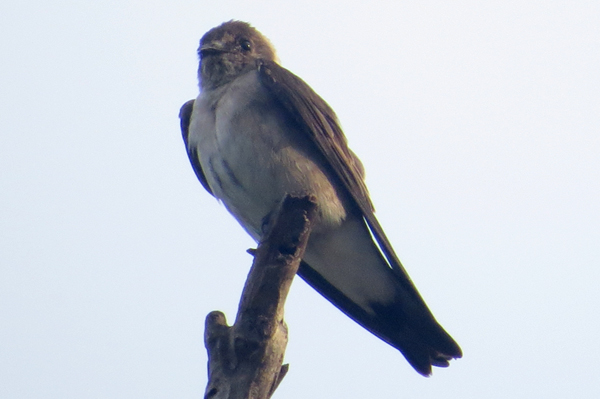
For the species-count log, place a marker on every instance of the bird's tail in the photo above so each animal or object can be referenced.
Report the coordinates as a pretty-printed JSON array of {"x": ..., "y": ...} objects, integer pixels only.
[{"x": 348, "y": 269}]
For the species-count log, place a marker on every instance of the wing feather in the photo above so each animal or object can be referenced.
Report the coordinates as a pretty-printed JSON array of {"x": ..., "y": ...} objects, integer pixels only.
[
  {"x": 321, "y": 125},
  {"x": 185, "y": 116}
]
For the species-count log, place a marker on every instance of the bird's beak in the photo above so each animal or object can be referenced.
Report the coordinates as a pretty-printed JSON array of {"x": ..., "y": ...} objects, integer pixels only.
[{"x": 211, "y": 48}]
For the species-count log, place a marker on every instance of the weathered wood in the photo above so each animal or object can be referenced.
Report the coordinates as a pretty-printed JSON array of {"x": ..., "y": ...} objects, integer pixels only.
[{"x": 245, "y": 360}]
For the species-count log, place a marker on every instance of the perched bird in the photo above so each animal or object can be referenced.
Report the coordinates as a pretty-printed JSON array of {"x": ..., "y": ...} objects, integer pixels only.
[{"x": 257, "y": 132}]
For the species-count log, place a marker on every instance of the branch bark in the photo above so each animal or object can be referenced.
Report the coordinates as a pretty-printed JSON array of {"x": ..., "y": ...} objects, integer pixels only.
[{"x": 245, "y": 360}]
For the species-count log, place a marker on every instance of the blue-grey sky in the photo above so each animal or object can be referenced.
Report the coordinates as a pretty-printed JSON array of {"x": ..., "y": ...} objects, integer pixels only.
[{"x": 479, "y": 127}]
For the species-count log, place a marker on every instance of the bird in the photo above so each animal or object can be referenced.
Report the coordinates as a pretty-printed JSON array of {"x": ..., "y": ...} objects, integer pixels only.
[{"x": 257, "y": 132}]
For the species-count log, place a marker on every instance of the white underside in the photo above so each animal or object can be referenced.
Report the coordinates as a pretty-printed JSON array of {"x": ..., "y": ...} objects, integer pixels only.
[{"x": 251, "y": 157}]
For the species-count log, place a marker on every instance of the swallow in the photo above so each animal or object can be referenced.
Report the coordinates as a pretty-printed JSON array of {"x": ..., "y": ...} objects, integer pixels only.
[{"x": 257, "y": 132}]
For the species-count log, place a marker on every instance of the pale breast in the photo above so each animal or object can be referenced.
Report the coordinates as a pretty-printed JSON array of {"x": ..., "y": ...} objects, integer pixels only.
[{"x": 252, "y": 155}]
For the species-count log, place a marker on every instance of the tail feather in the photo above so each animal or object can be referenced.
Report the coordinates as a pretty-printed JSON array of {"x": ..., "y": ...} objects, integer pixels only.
[{"x": 346, "y": 267}]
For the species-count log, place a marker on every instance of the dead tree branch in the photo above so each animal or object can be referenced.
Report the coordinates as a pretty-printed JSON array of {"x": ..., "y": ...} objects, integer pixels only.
[{"x": 245, "y": 360}]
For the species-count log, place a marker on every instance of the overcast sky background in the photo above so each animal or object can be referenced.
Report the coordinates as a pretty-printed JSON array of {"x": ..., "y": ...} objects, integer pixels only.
[{"x": 477, "y": 122}]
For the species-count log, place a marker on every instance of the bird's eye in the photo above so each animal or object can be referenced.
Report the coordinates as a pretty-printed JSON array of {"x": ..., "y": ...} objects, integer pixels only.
[{"x": 246, "y": 45}]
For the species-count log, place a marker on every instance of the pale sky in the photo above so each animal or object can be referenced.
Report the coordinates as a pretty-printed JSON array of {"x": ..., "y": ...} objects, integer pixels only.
[{"x": 478, "y": 123}]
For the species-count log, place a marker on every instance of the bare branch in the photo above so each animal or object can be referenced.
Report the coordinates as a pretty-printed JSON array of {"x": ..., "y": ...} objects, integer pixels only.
[{"x": 245, "y": 360}]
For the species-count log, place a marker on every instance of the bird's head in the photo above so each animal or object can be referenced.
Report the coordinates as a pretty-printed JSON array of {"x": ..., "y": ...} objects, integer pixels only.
[{"x": 229, "y": 50}]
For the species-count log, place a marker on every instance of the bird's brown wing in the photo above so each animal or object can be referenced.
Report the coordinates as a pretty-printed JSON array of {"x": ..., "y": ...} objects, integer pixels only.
[
  {"x": 424, "y": 342},
  {"x": 185, "y": 115},
  {"x": 320, "y": 123}
]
